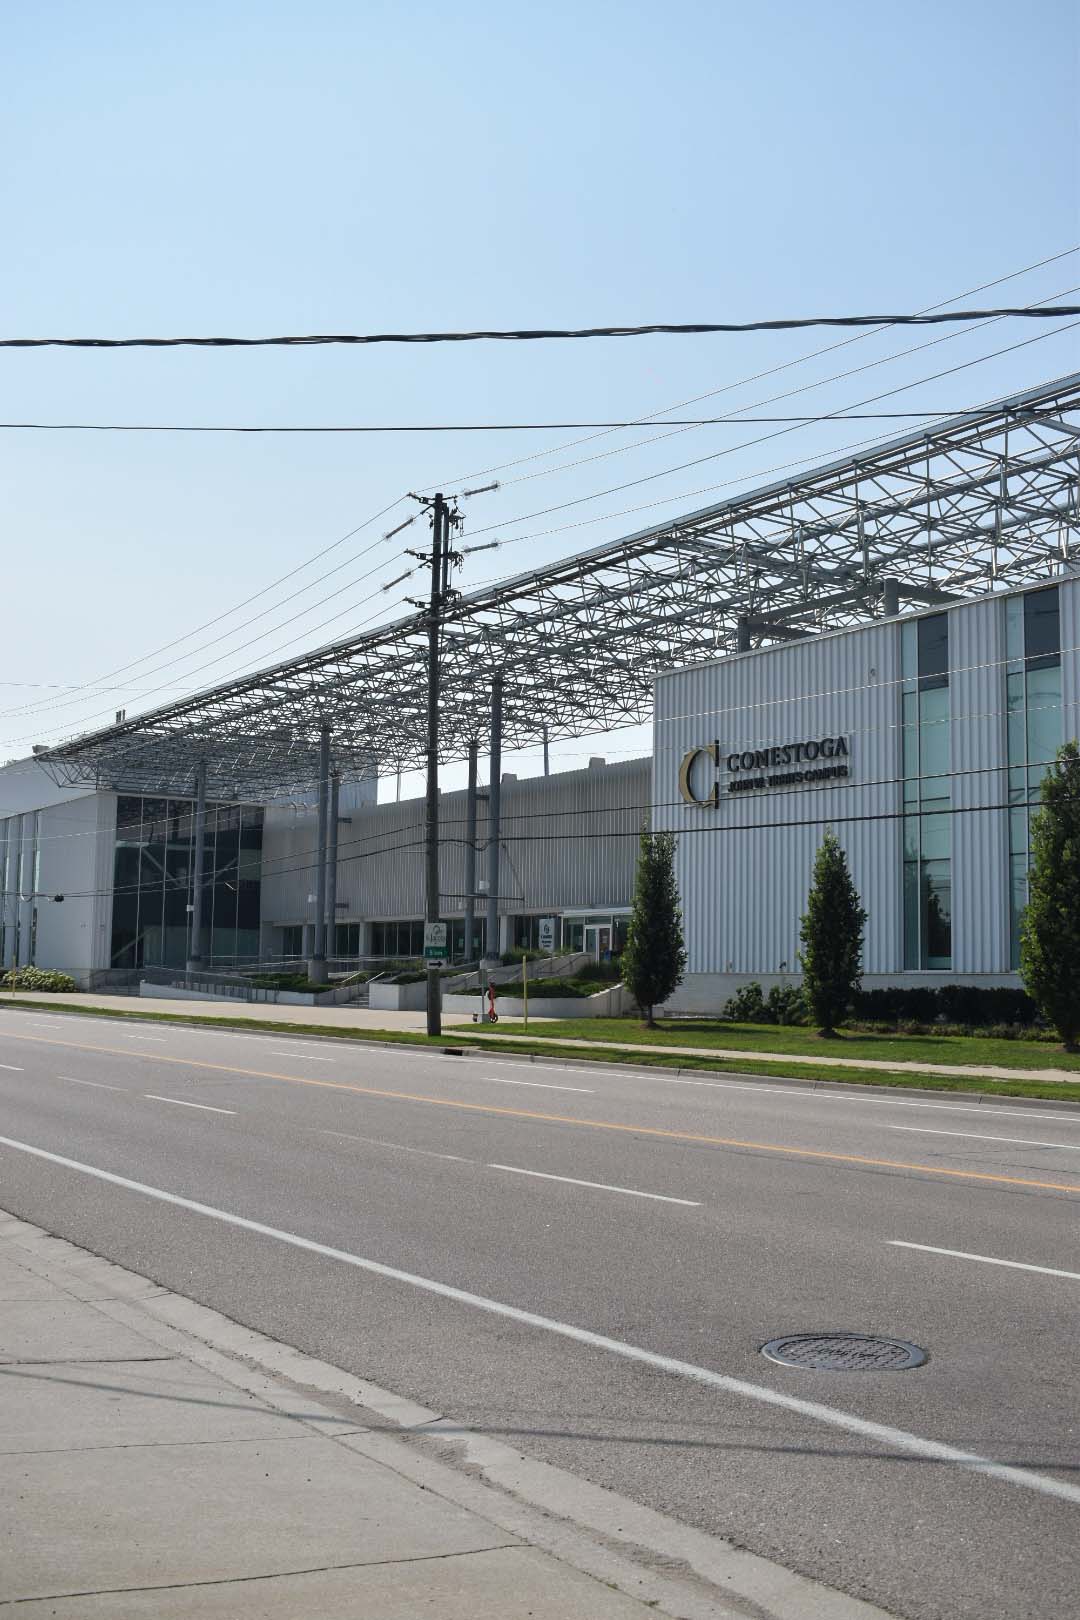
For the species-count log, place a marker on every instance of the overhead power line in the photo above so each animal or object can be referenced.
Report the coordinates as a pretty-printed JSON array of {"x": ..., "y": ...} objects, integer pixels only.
[
  {"x": 786, "y": 365},
  {"x": 472, "y": 427},
  {"x": 533, "y": 334}
]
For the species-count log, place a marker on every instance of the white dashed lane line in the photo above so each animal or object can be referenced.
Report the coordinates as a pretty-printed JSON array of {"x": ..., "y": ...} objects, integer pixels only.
[
  {"x": 985, "y": 1259},
  {"x": 598, "y": 1186},
  {"x": 539, "y": 1085},
  {"x": 980, "y": 1136},
  {"x": 180, "y": 1103}
]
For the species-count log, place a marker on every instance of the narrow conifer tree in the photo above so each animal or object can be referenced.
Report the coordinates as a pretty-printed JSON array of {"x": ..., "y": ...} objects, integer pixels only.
[
  {"x": 1050, "y": 929},
  {"x": 832, "y": 937},
  {"x": 654, "y": 959}
]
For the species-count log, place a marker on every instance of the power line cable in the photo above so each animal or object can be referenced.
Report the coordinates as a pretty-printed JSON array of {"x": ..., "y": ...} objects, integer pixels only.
[
  {"x": 727, "y": 388},
  {"x": 46, "y": 708},
  {"x": 292, "y": 573},
  {"x": 544, "y": 334},
  {"x": 228, "y": 613},
  {"x": 730, "y": 420},
  {"x": 764, "y": 438},
  {"x": 703, "y": 489},
  {"x": 167, "y": 686},
  {"x": 41, "y": 706}
]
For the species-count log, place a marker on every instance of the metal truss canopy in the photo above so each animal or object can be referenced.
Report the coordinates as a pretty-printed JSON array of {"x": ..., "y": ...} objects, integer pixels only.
[{"x": 979, "y": 503}]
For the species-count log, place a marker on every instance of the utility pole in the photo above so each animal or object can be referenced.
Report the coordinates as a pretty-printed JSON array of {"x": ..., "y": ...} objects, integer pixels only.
[
  {"x": 444, "y": 515},
  {"x": 441, "y": 558}
]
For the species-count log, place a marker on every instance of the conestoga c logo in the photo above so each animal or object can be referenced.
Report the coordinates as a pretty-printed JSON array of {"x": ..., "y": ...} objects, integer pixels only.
[{"x": 815, "y": 761}]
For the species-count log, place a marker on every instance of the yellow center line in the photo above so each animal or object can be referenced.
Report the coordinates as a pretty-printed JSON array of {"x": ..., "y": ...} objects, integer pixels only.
[{"x": 565, "y": 1119}]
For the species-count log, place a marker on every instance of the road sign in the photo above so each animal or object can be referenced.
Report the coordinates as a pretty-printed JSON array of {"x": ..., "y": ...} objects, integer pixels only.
[
  {"x": 547, "y": 933},
  {"x": 435, "y": 948}
]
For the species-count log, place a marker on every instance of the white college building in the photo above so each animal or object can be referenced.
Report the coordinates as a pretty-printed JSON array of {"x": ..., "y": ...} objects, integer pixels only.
[{"x": 921, "y": 740}]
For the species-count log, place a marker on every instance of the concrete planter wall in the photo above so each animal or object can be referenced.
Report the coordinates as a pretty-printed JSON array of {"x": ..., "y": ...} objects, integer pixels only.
[
  {"x": 398, "y": 997},
  {"x": 178, "y": 992}
]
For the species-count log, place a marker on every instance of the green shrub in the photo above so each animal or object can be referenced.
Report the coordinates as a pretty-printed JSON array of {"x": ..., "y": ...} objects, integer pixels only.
[
  {"x": 747, "y": 1005},
  {"x": 284, "y": 981},
  {"x": 599, "y": 973},
  {"x": 785, "y": 1004},
  {"x": 568, "y": 989},
  {"x": 32, "y": 978}
]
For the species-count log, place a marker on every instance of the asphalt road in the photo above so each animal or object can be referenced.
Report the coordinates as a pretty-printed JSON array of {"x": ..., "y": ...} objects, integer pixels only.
[{"x": 690, "y": 1221}]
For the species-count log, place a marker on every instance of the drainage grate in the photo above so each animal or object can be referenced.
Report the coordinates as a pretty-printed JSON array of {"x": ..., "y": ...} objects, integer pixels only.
[{"x": 844, "y": 1352}]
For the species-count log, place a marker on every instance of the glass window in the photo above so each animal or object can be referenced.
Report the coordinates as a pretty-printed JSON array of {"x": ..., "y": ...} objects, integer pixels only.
[
  {"x": 1034, "y": 725},
  {"x": 927, "y": 787},
  {"x": 912, "y": 956},
  {"x": 1043, "y": 716},
  {"x": 1014, "y": 627},
  {"x": 937, "y": 916},
  {"x": 909, "y": 649},
  {"x": 153, "y": 872},
  {"x": 1042, "y": 627},
  {"x": 934, "y": 650},
  {"x": 934, "y": 742}
]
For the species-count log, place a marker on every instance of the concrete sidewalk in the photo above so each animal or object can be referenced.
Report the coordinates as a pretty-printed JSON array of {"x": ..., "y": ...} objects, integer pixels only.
[
  {"x": 161, "y": 1462},
  {"x": 142, "y": 1477},
  {"x": 360, "y": 1018}
]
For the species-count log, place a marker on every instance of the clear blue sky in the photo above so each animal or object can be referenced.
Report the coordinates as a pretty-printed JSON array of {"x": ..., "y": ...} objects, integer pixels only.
[{"x": 253, "y": 168}]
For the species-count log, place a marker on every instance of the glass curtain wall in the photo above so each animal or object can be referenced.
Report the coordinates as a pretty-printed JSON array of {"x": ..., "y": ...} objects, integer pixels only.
[
  {"x": 1033, "y": 725},
  {"x": 153, "y": 874},
  {"x": 926, "y": 729},
  {"x": 404, "y": 940}
]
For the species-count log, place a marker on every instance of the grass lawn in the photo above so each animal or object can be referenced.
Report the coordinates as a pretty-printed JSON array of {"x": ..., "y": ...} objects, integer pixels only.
[
  {"x": 466, "y": 1038},
  {"x": 707, "y": 1033}
]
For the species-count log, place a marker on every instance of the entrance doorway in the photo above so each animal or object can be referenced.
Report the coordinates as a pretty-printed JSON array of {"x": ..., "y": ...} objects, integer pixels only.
[{"x": 598, "y": 941}]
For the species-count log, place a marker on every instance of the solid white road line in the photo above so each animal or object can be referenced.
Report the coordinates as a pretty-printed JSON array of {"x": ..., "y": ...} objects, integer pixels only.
[
  {"x": 986, "y": 1259},
  {"x": 833, "y": 1417},
  {"x": 13, "y": 1068},
  {"x": 376, "y": 1141},
  {"x": 180, "y": 1103},
  {"x": 541, "y": 1085},
  {"x": 601, "y": 1186},
  {"x": 98, "y": 1084},
  {"x": 307, "y": 1057},
  {"x": 978, "y": 1136}
]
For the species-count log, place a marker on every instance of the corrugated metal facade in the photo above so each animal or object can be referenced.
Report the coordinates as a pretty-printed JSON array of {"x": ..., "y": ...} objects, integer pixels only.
[
  {"x": 568, "y": 842},
  {"x": 744, "y": 864}
]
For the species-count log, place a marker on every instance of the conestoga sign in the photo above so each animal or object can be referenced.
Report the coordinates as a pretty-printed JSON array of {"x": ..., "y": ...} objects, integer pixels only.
[{"x": 751, "y": 769}]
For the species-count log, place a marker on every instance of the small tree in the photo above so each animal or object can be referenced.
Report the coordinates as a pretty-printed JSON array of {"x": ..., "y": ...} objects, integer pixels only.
[
  {"x": 832, "y": 937},
  {"x": 1050, "y": 928},
  {"x": 654, "y": 959}
]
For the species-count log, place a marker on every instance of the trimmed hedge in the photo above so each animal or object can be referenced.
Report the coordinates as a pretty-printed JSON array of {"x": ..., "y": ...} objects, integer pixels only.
[
  {"x": 958, "y": 1006},
  {"x": 949, "y": 1003},
  {"x": 32, "y": 978}
]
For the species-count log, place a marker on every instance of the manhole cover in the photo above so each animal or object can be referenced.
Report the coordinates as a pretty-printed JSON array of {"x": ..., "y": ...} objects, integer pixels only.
[{"x": 844, "y": 1352}]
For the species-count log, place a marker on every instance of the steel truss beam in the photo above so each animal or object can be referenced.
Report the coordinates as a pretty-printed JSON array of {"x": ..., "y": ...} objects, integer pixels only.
[{"x": 988, "y": 500}]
